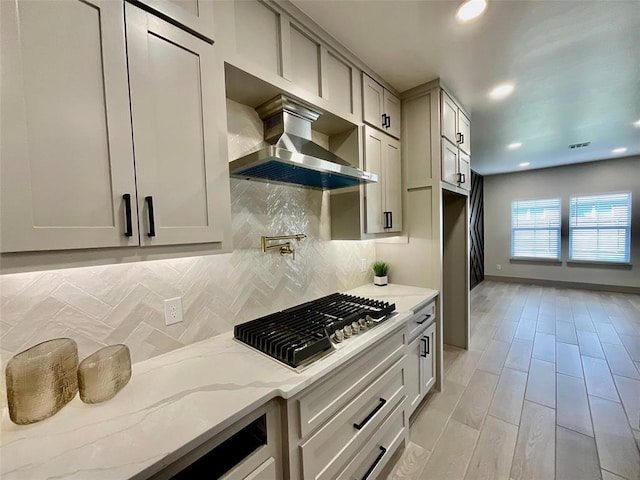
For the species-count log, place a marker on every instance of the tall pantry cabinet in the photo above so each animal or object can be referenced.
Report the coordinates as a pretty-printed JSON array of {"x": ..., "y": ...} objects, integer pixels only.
[{"x": 70, "y": 178}]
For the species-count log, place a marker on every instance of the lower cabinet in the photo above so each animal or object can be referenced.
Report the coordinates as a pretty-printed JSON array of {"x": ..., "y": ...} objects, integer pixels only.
[
  {"x": 362, "y": 412},
  {"x": 421, "y": 359}
]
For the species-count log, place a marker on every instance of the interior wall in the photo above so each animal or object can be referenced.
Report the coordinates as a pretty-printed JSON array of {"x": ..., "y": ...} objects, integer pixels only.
[
  {"x": 476, "y": 230},
  {"x": 615, "y": 175}
]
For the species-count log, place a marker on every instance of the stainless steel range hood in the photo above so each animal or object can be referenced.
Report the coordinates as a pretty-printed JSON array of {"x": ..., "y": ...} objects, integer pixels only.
[{"x": 292, "y": 157}]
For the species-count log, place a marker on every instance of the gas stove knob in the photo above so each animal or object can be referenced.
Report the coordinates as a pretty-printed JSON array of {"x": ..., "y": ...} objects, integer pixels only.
[
  {"x": 370, "y": 321},
  {"x": 347, "y": 331},
  {"x": 363, "y": 323},
  {"x": 338, "y": 336},
  {"x": 355, "y": 327}
]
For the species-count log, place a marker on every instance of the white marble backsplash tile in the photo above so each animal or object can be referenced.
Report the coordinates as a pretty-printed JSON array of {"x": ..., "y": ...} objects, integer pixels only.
[{"x": 102, "y": 305}]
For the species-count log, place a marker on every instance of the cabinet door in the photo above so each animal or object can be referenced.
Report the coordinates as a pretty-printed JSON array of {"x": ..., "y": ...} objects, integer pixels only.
[
  {"x": 392, "y": 184},
  {"x": 414, "y": 380},
  {"x": 392, "y": 109},
  {"x": 194, "y": 14},
  {"x": 464, "y": 169},
  {"x": 464, "y": 128},
  {"x": 449, "y": 162},
  {"x": 374, "y": 150},
  {"x": 174, "y": 132},
  {"x": 372, "y": 101},
  {"x": 449, "y": 113},
  {"x": 67, "y": 158},
  {"x": 428, "y": 360}
]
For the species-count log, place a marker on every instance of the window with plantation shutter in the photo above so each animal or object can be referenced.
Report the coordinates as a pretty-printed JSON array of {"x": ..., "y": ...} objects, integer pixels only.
[
  {"x": 535, "y": 228},
  {"x": 600, "y": 227}
]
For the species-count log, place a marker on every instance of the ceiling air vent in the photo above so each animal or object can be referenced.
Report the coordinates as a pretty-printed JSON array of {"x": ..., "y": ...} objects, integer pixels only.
[{"x": 579, "y": 145}]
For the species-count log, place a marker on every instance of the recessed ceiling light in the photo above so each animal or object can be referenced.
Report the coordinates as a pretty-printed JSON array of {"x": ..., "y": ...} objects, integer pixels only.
[
  {"x": 619, "y": 150},
  {"x": 514, "y": 145},
  {"x": 470, "y": 10},
  {"x": 501, "y": 91},
  {"x": 636, "y": 124},
  {"x": 524, "y": 164}
]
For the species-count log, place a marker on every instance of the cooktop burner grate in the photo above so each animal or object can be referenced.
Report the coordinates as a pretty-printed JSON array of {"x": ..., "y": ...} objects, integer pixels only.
[{"x": 295, "y": 335}]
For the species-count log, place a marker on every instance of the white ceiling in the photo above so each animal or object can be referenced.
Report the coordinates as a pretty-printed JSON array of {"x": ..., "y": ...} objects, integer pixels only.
[{"x": 575, "y": 64}]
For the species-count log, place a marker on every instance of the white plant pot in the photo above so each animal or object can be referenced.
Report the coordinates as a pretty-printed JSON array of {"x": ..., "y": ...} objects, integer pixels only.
[{"x": 380, "y": 281}]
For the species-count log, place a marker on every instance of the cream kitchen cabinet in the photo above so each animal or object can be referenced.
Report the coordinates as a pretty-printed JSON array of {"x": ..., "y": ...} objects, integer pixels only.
[
  {"x": 171, "y": 75},
  {"x": 383, "y": 200},
  {"x": 335, "y": 420},
  {"x": 380, "y": 108},
  {"x": 194, "y": 15},
  {"x": 455, "y": 166},
  {"x": 67, "y": 159},
  {"x": 455, "y": 124},
  {"x": 421, "y": 356}
]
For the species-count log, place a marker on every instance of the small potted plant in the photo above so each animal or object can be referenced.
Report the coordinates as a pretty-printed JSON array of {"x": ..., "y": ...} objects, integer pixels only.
[{"x": 380, "y": 269}]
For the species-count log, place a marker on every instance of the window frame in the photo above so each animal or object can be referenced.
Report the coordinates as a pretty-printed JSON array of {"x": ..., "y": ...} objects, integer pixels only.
[
  {"x": 558, "y": 230},
  {"x": 626, "y": 228}
]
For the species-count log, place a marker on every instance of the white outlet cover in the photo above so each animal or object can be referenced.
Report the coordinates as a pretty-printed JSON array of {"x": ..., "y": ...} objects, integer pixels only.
[{"x": 173, "y": 311}]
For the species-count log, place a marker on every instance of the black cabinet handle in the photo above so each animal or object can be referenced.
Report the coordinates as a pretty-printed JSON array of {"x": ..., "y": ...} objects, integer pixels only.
[
  {"x": 427, "y": 345},
  {"x": 388, "y": 121},
  {"x": 458, "y": 138},
  {"x": 390, "y": 220},
  {"x": 375, "y": 463},
  {"x": 384, "y": 120},
  {"x": 386, "y": 219},
  {"x": 426, "y": 317},
  {"x": 424, "y": 343},
  {"x": 128, "y": 232},
  {"x": 359, "y": 426},
  {"x": 462, "y": 138},
  {"x": 152, "y": 221},
  {"x": 464, "y": 179}
]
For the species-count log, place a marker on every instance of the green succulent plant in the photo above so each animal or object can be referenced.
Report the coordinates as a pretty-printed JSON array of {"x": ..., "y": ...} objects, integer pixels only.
[{"x": 380, "y": 268}]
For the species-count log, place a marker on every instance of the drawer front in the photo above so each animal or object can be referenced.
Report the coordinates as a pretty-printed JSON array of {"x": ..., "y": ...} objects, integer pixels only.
[
  {"x": 322, "y": 402},
  {"x": 326, "y": 452},
  {"x": 375, "y": 454},
  {"x": 420, "y": 320}
]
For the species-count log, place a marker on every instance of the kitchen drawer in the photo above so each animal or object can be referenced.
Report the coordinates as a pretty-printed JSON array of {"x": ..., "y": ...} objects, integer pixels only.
[
  {"x": 420, "y": 320},
  {"x": 333, "y": 392},
  {"x": 266, "y": 471},
  {"x": 326, "y": 452},
  {"x": 375, "y": 454}
]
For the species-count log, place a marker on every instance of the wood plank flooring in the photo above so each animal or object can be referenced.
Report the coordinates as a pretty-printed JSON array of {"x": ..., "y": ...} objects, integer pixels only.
[{"x": 550, "y": 389}]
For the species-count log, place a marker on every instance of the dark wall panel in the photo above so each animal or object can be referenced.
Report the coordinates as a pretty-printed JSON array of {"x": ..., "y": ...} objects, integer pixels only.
[{"x": 476, "y": 228}]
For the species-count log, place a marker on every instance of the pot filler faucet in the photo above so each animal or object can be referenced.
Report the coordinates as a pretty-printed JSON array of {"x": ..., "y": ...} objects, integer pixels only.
[{"x": 284, "y": 247}]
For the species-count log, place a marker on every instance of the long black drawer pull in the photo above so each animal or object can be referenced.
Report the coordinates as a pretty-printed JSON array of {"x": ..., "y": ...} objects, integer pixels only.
[
  {"x": 128, "y": 232},
  {"x": 375, "y": 463},
  {"x": 426, "y": 317},
  {"x": 425, "y": 344},
  {"x": 152, "y": 221},
  {"x": 359, "y": 426}
]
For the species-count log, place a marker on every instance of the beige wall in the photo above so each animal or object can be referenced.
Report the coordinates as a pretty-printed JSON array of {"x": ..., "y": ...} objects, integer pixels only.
[
  {"x": 563, "y": 182},
  {"x": 103, "y": 305}
]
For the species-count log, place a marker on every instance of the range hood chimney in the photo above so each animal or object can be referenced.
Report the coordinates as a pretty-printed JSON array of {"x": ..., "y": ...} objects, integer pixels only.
[{"x": 292, "y": 157}]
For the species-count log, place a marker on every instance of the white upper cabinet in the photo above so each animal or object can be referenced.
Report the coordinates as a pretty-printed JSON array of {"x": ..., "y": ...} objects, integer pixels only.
[
  {"x": 384, "y": 198},
  {"x": 338, "y": 82},
  {"x": 69, "y": 176},
  {"x": 449, "y": 123},
  {"x": 464, "y": 129},
  {"x": 66, "y": 151},
  {"x": 196, "y": 15},
  {"x": 380, "y": 108},
  {"x": 305, "y": 61},
  {"x": 455, "y": 128},
  {"x": 174, "y": 135},
  {"x": 259, "y": 35}
]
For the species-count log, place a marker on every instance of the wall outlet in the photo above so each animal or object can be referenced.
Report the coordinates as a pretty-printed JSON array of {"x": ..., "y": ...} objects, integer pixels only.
[
  {"x": 363, "y": 265},
  {"x": 498, "y": 267},
  {"x": 173, "y": 310}
]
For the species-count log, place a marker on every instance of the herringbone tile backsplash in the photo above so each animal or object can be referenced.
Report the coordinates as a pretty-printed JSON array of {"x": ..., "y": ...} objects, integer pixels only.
[{"x": 97, "y": 306}]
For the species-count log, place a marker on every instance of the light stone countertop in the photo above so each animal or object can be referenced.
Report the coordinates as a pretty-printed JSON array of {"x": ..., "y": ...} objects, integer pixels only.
[{"x": 173, "y": 403}]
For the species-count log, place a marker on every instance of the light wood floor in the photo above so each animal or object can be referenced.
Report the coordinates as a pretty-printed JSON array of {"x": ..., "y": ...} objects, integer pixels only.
[{"x": 550, "y": 388}]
